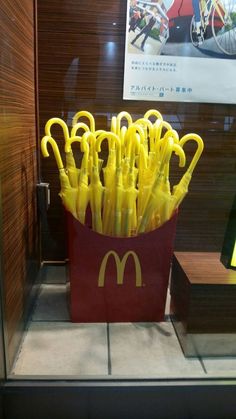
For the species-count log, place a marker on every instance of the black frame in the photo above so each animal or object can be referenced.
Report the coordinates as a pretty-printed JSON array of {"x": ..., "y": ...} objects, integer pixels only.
[{"x": 118, "y": 399}]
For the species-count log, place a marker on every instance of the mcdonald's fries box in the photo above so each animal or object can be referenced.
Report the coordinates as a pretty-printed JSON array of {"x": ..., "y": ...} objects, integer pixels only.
[{"x": 119, "y": 279}]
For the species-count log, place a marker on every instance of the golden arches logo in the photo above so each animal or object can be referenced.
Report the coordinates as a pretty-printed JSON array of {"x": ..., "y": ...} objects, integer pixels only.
[{"x": 120, "y": 267}]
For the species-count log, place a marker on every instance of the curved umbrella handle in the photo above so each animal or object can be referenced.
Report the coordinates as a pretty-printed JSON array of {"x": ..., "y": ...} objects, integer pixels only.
[
  {"x": 60, "y": 122},
  {"x": 200, "y": 147},
  {"x": 180, "y": 153},
  {"x": 173, "y": 134},
  {"x": 114, "y": 140},
  {"x": 119, "y": 117},
  {"x": 153, "y": 112},
  {"x": 169, "y": 134},
  {"x": 166, "y": 152},
  {"x": 131, "y": 133},
  {"x": 44, "y": 147},
  {"x": 90, "y": 139},
  {"x": 113, "y": 124},
  {"x": 87, "y": 115},
  {"x": 147, "y": 124},
  {"x": 71, "y": 141},
  {"x": 99, "y": 132},
  {"x": 157, "y": 128},
  {"x": 77, "y": 126},
  {"x": 84, "y": 146}
]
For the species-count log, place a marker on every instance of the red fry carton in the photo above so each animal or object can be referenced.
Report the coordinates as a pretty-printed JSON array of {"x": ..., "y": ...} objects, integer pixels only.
[{"x": 119, "y": 279}]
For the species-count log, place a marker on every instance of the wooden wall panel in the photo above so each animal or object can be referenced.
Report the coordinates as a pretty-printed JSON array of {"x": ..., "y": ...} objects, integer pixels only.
[
  {"x": 18, "y": 165},
  {"x": 78, "y": 70}
]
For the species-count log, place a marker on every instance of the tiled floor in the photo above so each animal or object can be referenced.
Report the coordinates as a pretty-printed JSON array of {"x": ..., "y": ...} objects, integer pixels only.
[{"x": 53, "y": 346}]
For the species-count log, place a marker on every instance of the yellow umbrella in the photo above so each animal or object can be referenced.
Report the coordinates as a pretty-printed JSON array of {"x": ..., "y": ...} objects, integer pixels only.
[
  {"x": 100, "y": 161},
  {"x": 155, "y": 156},
  {"x": 175, "y": 137},
  {"x": 67, "y": 193},
  {"x": 165, "y": 184},
  {"x": 143, "y": 180},
  {"x": 109, "y": 180},
  {"x": 76, "y": 127},
  {"x": 158, "y": 121},
  {"x": 136, "y": 132},
  {"x": 157, "y": 131},
  {"x": 57, "y": 121},
  {"x": 130, "y": 192},
  {"x": 70, "y": 162},
  {"x": 82, "y": 188},
  {"x": 120, "y": 116},
  {"x": 119, "y": 130},
  {"x": 113, "y": 187},
  {"x": 157, "y": 197},
  {"x": 119, "y": 196},
  {"x": 87, "y": 115},
  {"x": 113, "y": 125},
  {"x": 96, "y": 188},
  {"x": 153, "y": 112},
  {"x": 122, "y": 136},
  {"x": 180, "y": 190},
  {"x": 131, "y": 139},
  {"x": 148, "y": 130}
]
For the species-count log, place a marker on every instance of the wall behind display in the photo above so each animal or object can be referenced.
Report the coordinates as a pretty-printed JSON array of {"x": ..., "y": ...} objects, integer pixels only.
[
  {"x": 81, "y": 54},
  {"x": 17, "y": 163}
]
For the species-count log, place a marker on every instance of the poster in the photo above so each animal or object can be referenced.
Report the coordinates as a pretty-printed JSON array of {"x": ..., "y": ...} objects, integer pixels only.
[{"x": 180, "y": 50}]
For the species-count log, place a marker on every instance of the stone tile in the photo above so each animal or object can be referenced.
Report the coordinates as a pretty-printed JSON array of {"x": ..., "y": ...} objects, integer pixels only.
[
  {"x": 56, "y": 348},
  {"x": 149, "y": 350},
  {"x": 52, "y": 304}
]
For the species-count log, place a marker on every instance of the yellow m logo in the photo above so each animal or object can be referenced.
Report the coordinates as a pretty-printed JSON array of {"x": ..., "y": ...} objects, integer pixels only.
[{"x": 120, "y": 268}]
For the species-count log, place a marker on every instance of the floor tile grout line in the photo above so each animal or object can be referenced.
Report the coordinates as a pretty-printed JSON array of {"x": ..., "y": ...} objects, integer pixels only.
[
  {"x": 202, "y": 365},
  {"x": 109, "y": 366}
]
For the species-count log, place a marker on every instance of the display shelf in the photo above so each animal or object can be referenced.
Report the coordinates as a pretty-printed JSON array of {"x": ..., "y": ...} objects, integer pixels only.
[{"x": 203, "y": 296}]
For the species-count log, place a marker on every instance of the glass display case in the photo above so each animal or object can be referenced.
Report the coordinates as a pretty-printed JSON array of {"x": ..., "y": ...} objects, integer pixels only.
[{"x": 58, "y": 58}]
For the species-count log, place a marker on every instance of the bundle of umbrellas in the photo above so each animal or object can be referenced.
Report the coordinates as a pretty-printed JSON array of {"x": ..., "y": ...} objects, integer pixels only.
[{"x": 131, "y": 194}]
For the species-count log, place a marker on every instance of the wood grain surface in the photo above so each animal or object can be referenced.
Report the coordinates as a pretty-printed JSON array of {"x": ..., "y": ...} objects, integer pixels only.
[
  {"x": 203, "y": 293},
  {"x": 17, "y": 162},
  {"x": 81, "y": 56},
  {"x": 205, "y": 268}
]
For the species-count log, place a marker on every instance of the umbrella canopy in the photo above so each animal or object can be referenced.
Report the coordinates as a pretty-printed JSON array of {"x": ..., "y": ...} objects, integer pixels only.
[
  {"x": 129, "y": 223},
  {"x": 82, "y": 187},
  {"x": 95, "y": 188},
  {"x": 180, "y": 190},
  {"x": 109, "y": 183},
  {"x": 68, "y": 194},
  {"x": 112, "y": 181},
  {"x": 165, "y": 184},
  {"x": 157, "y": 198}
]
